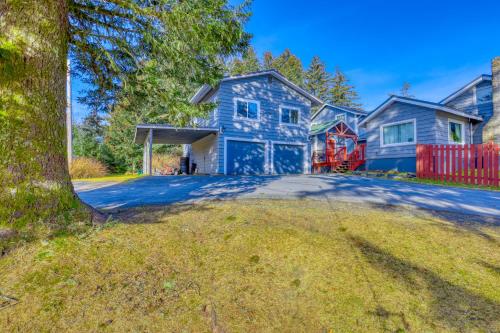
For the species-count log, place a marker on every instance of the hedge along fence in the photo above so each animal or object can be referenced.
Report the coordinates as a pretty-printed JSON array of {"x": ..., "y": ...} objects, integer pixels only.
[{"x": 467, "y": 164}]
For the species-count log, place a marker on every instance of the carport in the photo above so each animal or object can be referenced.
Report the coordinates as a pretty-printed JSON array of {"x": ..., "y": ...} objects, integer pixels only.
[{"x": 149, "y": 134}]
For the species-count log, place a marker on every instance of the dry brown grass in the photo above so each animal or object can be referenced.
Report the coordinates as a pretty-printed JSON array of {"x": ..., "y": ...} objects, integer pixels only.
[
  {"x": 84, "y": 167},
  {"x": 260, "y": 266}
]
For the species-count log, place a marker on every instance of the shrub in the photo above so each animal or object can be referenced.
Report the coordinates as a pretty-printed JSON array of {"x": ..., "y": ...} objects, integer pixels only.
[
  {"x": 165, "y": 163},
  {"x": 84, "y": 167}
]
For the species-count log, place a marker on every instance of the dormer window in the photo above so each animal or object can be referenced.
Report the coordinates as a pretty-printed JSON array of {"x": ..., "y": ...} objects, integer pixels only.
[
  {"x": 289, "y": 116},
  {"x": 340, "y": 117},
  {"x": 247, "y": 109}
]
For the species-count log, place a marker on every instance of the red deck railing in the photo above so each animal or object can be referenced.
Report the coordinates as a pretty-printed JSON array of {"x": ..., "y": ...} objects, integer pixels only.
[
  {"x": 476, "y": 164},
  {"x": 333, "y": 158}
]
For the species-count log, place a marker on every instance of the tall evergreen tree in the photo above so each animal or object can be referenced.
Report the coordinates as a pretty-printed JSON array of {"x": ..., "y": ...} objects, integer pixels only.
[
  {"x": 290, "y": 66},
  {"x": 89, "y": 135},
  {"x": 317, "y": 79},
  {"x": 342, "y": 93},
  {"x": 268, "y": 60},
  {"x": 248, "y": 63},
  {"x": 107, "y": 40}
]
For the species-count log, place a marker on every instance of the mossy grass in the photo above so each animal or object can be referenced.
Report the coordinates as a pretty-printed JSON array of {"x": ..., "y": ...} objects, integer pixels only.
[
  {"x": 260, "y": 265},
  {"x": 451, "y": 184}
]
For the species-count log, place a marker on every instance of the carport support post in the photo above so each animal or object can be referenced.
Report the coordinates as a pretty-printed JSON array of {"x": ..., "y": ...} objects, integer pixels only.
[{"x": 147, "y": 156}]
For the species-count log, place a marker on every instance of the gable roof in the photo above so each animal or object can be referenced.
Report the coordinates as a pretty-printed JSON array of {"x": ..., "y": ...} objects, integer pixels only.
[
  {"x": 342, "y": 108},
  {"x": 469, "y": 85},
  {"x": 206, "y": 89},
  {"x": 412, "y": 101},
  {"x": 320, "y": 128}
]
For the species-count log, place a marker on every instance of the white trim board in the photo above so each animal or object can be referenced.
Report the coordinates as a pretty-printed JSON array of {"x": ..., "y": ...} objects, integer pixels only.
[
  {"x": 381, "y": 129},
  {"x": 266, "y": 151}
]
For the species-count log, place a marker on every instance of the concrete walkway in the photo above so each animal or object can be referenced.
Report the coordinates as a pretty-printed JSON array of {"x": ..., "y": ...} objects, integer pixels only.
[{"x": 185, "y": 189}]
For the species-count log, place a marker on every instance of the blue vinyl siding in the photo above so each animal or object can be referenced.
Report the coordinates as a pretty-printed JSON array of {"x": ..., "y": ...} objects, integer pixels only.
[
  {"x": 485, "y": 111},
  {"x": 245, "y": 158},
  {"x": 270, "y": 93},
  {"x": 288, "y": 159},
  {"x": 467, "y": 102},
  {"x": 464, "y": 102},
  {"x": 404, "y": 164}
]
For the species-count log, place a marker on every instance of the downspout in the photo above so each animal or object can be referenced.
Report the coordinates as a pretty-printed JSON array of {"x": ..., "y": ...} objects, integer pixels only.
[{"x": 470, "y": 131}]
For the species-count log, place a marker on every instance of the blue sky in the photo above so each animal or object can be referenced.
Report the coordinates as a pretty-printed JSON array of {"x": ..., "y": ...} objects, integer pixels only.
[{"x": 437, "y": 46}]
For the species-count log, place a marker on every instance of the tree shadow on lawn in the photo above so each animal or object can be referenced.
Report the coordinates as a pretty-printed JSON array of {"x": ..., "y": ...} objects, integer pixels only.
[
  {"x": 458, "y": 222},
  {"x": 155, "y": 214},
  {"x": 453, "y": 306}
]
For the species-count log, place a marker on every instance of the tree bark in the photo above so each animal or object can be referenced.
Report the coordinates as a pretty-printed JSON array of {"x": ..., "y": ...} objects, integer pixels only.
[{"x": 34, "y": 176}]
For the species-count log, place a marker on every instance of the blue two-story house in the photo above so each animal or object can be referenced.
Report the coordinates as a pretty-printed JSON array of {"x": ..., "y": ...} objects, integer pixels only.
[
  {"x": 260, "y": 126},
  {"x": 471, "y": 115}
]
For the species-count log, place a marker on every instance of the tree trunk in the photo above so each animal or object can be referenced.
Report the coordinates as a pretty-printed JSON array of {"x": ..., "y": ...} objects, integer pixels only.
[{"x": 34, "y": 177}]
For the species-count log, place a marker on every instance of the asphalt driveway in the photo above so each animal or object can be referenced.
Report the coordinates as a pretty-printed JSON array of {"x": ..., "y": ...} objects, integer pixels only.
[{"x": 186, "y": 189}]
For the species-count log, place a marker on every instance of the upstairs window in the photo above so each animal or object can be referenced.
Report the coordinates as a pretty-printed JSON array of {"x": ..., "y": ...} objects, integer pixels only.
[
  {"x": 246, "y": 109},
  {"x": 289, "y": 116},
  {"x": 398, "y": 134},
  {"x": 340, "y": 117},
  {"x": 456, "y": 132}
]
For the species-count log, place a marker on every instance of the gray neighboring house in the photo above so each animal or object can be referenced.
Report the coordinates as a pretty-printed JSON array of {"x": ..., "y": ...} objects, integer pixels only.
[
  {"x": 469, "y": 115},
  {"x": 260, "y": 126}
]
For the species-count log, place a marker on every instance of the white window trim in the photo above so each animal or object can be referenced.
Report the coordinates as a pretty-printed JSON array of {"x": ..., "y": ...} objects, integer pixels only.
[
  {"x": 381, "y": 129},
  {"x": 305, "y": 162},
  {"x": 266, "y": 151},
  {"x": 341, "y": 114},
  {"x": 235, "y": 113},
  {"x": 451, "y": 120},
  {"x": 281, "y": 107}
]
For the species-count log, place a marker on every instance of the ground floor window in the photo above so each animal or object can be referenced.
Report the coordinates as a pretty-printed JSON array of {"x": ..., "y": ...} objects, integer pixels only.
[
  {"x": 456, "y": 131},
  {"x": 400, "y": 133}
]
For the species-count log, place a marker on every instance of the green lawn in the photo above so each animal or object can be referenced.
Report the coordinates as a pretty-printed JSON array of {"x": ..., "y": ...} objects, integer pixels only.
[
  {"x": 110, "y": 178},
  {"x": 259, "y": 266}
]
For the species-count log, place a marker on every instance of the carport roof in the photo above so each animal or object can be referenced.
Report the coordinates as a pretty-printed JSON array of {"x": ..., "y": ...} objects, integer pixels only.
[{"x": 167, "y": 134}]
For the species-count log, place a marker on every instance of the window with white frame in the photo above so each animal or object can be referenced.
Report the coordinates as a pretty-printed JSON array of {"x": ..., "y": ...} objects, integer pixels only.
[
  {"x": 289, "y": 116},
  {"x": 456, "y": 132},
  {"x": 340, "y": 117},
  {"x": 398, "y": 134},
  {"x": 246, "y": 109}
]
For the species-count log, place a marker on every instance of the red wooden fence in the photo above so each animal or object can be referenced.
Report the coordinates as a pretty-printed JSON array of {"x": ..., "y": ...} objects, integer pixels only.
[{"x": 467, "y": 164}]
